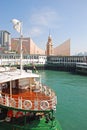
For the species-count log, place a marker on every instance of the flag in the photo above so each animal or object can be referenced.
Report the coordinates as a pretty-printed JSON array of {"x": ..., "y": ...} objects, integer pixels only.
[{"x": 17, "y": 25}]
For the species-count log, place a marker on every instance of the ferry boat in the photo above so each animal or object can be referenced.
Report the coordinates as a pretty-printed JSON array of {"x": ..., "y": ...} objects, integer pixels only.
[{"x": 26, "y": 103}]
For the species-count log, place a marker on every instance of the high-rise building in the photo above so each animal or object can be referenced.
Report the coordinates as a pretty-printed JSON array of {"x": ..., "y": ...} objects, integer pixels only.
[{"x": 5, "y": 40}]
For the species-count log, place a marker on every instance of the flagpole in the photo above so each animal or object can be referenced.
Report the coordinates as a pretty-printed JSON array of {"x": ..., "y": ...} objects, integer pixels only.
[
  {"x": 18, "y": 27},
  {"x": 21, "y": 52}
]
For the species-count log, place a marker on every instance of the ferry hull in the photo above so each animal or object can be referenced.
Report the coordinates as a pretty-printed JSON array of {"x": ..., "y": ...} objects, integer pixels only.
[{"x": 34, "y": 126}]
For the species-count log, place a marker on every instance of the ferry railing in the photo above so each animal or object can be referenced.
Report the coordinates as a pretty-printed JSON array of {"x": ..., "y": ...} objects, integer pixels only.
[{"x": 40, "y": 104}]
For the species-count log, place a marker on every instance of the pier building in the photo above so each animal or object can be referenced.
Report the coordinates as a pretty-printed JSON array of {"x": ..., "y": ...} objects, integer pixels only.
[{"x": 66, "y": 63}]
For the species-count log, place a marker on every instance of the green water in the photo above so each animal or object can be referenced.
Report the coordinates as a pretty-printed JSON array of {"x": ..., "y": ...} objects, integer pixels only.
[{"x": 72, "y": 98}]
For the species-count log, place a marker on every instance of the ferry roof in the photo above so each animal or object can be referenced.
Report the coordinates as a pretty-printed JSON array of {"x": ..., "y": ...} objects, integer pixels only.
[{"x": 13, "y": 75}]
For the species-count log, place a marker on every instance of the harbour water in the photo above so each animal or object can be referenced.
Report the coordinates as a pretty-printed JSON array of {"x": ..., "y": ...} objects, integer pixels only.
[{"x": 72, "y": 98}]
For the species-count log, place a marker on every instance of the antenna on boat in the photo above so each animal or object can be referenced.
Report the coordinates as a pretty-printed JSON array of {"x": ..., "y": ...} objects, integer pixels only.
[{"x": 17, "y": 25}]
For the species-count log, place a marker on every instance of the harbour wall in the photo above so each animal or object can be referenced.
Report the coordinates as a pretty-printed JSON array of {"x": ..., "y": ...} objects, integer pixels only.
[{"x": 56, "y": 67}]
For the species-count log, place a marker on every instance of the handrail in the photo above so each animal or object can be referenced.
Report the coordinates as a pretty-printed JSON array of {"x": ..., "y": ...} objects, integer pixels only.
[{"x": 27, "y": 104}]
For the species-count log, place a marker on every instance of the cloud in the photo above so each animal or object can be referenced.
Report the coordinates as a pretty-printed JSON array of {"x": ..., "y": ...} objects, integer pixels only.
[
  {"x": 44, "y": 17},
  {"x": 42, "y": 20},
  {"x": 35, "y": 31}
]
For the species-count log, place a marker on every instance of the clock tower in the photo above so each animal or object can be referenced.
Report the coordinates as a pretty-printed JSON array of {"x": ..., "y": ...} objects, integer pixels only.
[{"x": 49, "y": 46}]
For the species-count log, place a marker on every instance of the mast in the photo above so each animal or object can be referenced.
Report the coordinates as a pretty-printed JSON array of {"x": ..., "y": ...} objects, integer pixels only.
[
  {"x": 21, "y": 52},
  {"x": 18, "y": 27}
]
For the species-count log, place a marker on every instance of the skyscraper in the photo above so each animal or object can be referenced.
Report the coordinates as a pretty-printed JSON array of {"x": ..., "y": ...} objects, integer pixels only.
[{"x": 5, "y": 40}]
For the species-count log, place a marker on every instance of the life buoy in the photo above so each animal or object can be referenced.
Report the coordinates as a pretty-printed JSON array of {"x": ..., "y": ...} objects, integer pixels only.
[
  {"x": 8, "y": 119},
  {"x": 44, "y": 105},
  {"x": 54, "y": 107},
  {"x": 54, "y": 102},
  {"x": 4, "y": 85},
  {"x": 27, "y": 104},
  {"x": 48, "y": 92},
  {"x": 12, "y": 102},
  {"x": 44, "y": 89},
  {"x": 19, "y": 114}
]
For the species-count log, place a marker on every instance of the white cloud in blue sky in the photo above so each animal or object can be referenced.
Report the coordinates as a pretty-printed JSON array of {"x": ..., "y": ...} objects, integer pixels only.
[
  {"x": 44, "y": 18},
  {"x": 64, "y": 18}
]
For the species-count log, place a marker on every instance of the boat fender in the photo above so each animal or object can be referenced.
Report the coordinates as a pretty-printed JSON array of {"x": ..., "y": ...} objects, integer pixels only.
[
  {"x": 27, "y": 104},
  {"x": 44, "y": 105}
]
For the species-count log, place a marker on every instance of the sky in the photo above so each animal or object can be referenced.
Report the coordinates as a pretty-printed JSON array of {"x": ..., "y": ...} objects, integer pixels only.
[{"x": 62, "y": 19}]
